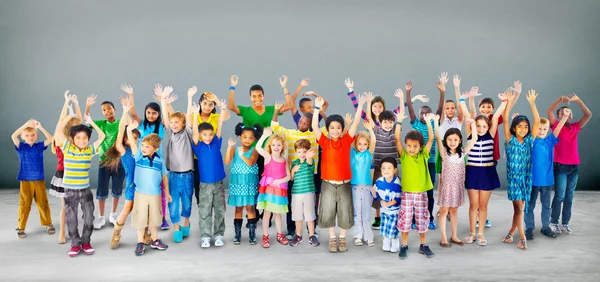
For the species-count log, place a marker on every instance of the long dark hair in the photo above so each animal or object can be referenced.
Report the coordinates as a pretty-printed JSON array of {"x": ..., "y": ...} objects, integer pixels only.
[
  {"x": 376, "y": 99},
  {"x": 158, "y": 122},
  {"x": 449, "y": 132},
  {"x": 112, "y": 157},
  {"x": 202, "y": 98},
  {"x": 516, "y": 121}
]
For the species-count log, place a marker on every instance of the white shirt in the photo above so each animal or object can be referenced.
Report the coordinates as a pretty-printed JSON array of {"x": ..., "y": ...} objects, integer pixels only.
[{"x": 447, "y": 124}]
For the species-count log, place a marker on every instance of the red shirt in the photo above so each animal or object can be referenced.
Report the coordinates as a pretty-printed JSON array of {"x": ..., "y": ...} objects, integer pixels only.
[
  {"x": 566, "y": 151},
  {"x": 496, "y": 143},
  {"x": 60, "y": 165},
  {"x": 335, "y": 158}
]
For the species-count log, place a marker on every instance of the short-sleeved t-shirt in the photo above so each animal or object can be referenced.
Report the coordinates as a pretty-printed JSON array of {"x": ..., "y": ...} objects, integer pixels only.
[
  {"x": 111, "y": 130},
  {"x": 567, "y": 151},
  {"x": 213, "y": 119},
  {"x": 210, "y": 161},
  {"x": 179, "y": 156},
  {"x": 148, "y": 173},
  {"x": 251, "y": 117},
  {"x": 415, "y": 172},
  {"x": 77, "y": 165},
  {"x": 31, "y": 161},
  {"x": 422, "y": 127},
  {"x": 293, "y": 135},
  {"x": 360, "y": 162},
  {"x": 304, "y": 178},
  {"x": 388, "y": 191},
  {"x": 542, "y": 160},
  {"x": 335, "y": 158}
]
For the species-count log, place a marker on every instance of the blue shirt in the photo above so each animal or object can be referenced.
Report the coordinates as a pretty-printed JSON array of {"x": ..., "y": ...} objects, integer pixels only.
[
  {"x": 128, "y": 162},
  {"x": 210, "y": 160},
  {"x": 422, "y": 127},
  {"x": 32, "y": 161},
  {"x": 149, "y": 130},
  {"x": 542, "y": 160},
  {"x": 360, "y": 163},
  {"x": 388, "y": 191},
  {"x": 148, "y": 173}
]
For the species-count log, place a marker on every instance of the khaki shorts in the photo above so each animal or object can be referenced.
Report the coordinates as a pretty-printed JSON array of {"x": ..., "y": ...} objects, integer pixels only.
[
  {"x": 336, "y": 203},
  {"x": 147, "y": 211},
  {"x": 303, "y": 207}
]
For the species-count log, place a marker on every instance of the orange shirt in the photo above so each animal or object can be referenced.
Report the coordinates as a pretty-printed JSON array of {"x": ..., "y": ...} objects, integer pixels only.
[{"x": 335, "y": 158}]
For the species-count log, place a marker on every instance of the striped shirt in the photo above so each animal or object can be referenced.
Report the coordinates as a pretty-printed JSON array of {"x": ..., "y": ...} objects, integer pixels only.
[
  {"x": 148, "y": 173},
  {"x": 291, "y": 136},
  {"x": 304, "y": 180},
  {"x": 483, "y": 151},
  {"x": 422, "y": 127},
  {"x": 385, "y": 146},
  {"x": 77, "y": 165},
  {"x": 389, "y": 191}
]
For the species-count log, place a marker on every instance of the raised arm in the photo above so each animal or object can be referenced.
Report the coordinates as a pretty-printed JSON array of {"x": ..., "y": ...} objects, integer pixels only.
[
  {"x": 563, "y": 120},
  {"x": 429, "y": 143},
  {"x": 132, "y": 144},
  {"x": 195, "y": 133},
  {"x": 15, "y": 135},
  {"x": 369, "y": 127},
  {"x": 531, "y": 96},
  {"x": 510, "y": 96},
  {"x": 190, "y": 104},
  {"x": 122, "y": 124},
  {"x": 552, "y": 107},
  {"x": 59, "y": 135},
  {"x": 230, "y": 151},
  {"x": 89, "y": 102},
  {"x": 219, "y": 104},
  {"x": 462, "y": 104},
  {"x": 233, "y": 80},
  {"x": 291, "y": 101},
  {"x": 397, "y": 131},
  {"x": 129, "y": 90},
  {"x": 461, "y": 113},
  {"x": 361, "y": 103},
  {"x": 283, "y": 82},
  {"x": 224, "y": 113},
  {"x": 441, "y": 85},
  {"x": 472, "y": 93},
  {"x": 63, "y": 111},
  {"x": 587, "y": 114},
  {"x": 101, "y": 135},
  {"x": 277, "y": 107},
  {"x": 163, "y": 104},
  {"x": 438, "y": 136},
  {"x": 325, "y": 103},
  {"x": 400, "y": 95},
  {"x": 517, "y": 89},
  {"x": 315, "y": 120},
  {"x": 411, "y": 111},
  {"x": 473, "y": 126},
  {"x": 259, "y": 145},
  {"x": 498, "y": 114},
  {"x": 350, "y": 85}
]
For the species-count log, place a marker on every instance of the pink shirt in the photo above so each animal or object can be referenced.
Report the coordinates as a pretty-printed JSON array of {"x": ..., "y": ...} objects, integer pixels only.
[{"x": 566, "y": 151}]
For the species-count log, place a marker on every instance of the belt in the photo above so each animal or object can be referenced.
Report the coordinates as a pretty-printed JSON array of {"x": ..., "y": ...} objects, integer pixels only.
[
  {"x": 481, "y": 164},
  {"x": 181, "y": 172},
  {"x": 337, "y": 182}
]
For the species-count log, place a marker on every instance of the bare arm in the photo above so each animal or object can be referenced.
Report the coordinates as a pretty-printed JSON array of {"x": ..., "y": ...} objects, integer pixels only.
[
  {"x": 315, "y": 120},
  {"x": 506, "y": 124},
  {"x": 409, "y": 104},
  {"x": 222, "y": 116},
  {"x": 552, "y": 107},
  {"x": 122, "y": 124},
  {"x": 531, "y": 96},
  {"x": 195, "y": 133},
  {"x": 429, "y": 133},
  {"x": 89, "y": 102},
  {"x": 496, "y": 117},
  {"x": 47, "y": 134},
  {"x": 259, "y": 145},
  {"x": 132, "y": 143},
  {"x": 471, "y": 143},
  {"x": 229, "y": 153},
  {"x": 441, "y": 85},
  {"x": 369, "y": 127},
  {"x": 438, "y": 136},
  {"x": 397, "y": 131},
  {"x": 562, "y": 122},
  {"x": 361, "y": 103},
  {"x": 15, "y": 135},
  {"x": 461, "y": 113},
  {"x": 587, "y": 114},
  {"x": 230, "y": 101},
  {"x": 101, "y": 134}
]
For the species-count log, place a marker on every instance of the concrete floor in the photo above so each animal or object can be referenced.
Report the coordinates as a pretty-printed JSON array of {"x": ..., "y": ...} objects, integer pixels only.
[{"x": 39, "y": 258}]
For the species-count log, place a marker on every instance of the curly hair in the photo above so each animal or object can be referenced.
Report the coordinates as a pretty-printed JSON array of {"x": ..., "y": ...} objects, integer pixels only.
[
  {"x": 256, "y": 130},
  {"x": 415, "y": 135},
  {"x": 276, "y": 137}
]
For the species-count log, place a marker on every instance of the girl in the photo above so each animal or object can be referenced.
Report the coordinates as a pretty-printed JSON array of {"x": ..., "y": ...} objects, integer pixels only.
[
  {"x": 272, "y": 197},
  {"x": 56, "y": 186},
  {"x": 452, "y": 180},
  {"x": 361, "y": 156},
  {"x": 519, "y": 146},
  {"x": 481, "y": 175},
  {"x": 120, "y": 152},
  {"x": 243, "y": 179}
]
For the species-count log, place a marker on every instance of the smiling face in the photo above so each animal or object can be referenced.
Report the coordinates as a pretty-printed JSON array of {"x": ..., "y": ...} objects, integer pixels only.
[
  {"x": 482, "y": 127},
  {"x": 151, "y": 115},
  {"x": 247, "y": 138},
  {"x": 207, "y": 106},
  {"x": 521, "y": 129},
  {"x": 301, "y": 152},
  {"x": 377, "y": 108},
  {"x": 452, "y": 141},
  {"x": 362, "y": 144},
  {"x": 176, "y": 124},
  {"x": 413, "y": 147},
  {"x": 387, "y": 170},
  {"x": 276, "y": 147},
  {"x": 29, "y": 135},
  {"x": 307, "y": 107},
  {"x": 148, "y": 150},
  {"x": 543, "y": 130},
  {"x": 81, "y": 140},
  {"x": 207, "y": 136},
  {"x": 257, "y": 97},
  {"x": 450, "y": 110},
  {"x": 387, "y": 125},
  {"x": 108, "y": 111},
  {"x": 486, "y": 109},
  {"x": 335, "y": 130},
  {"x": 304, "y": 124}
]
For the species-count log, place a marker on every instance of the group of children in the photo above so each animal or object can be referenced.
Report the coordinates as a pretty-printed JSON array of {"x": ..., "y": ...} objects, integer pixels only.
[{"x": 328, "y": 176}]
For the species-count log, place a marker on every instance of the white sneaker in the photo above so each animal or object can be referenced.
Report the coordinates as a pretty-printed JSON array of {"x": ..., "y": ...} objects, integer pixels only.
[
  {"x": 565, "y": 229},
  {"x": 99, "y": 222},
  {"x": 113, "y": 217},
  {"x": 395, "y": 246},
  {"x": 219, "y": 241},
  {"x": 387, "y": 244},
  {"x": 205, "y": 242},
  {"x": 555, "y": 228}
]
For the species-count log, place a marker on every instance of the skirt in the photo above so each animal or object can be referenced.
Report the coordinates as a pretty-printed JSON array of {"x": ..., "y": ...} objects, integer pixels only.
[
  {"x": 273, "y": 199},
  {"x": 241, "y": 200},
  {"x": 482, "y": 178},
  {"x": 56, "y": 185}
]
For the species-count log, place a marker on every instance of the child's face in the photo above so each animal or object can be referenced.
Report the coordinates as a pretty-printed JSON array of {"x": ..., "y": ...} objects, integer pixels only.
[
  {"x": 29, "y": 136},
  {"x": 176, "y": 124},
  {"x": 207, "y": 106},
  {"x": 423, "y": 112},
  {"x": 307, "y": 107},
  {"x": 543, "y": 132},
  {"x": 450, "y": 110},
  {"x": 151, "y": 115},
  {"x": 482, "y": 127},
  {"x": 257, "y": 97},
  {"x": 486, "y": 109},
  {"x": 276, "y": 147},
  {"x": 452, "y": 141},
  {"x": 148, "y": 150},
  {"x": 247, "y": 138},
  {"x": 413, "y": 147},
  {"x": 81, "y": 140},
  {"x": 108, "y": 111},
  {"x": 377, "y": 108},
  {"x": 388, "y": 170},
  {"x": 304, "y": 124},
  {"x": 335, "y": 130},
  {"x": 387, "y": 125},
  {"x": 521, "y": 129},
  {"x": 207, "y": 136},
  {"x": 301, "y": 152},
  {"x": 362, "y": 144}
]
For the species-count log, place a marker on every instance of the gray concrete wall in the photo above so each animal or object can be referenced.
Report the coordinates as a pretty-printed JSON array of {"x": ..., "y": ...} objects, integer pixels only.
[{"x": 88, "y": 47}]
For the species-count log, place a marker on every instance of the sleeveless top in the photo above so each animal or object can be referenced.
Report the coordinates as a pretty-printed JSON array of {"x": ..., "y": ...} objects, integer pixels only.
[
  {"x": 274, "y": 170},
  {"x": 483, "y": 151}
]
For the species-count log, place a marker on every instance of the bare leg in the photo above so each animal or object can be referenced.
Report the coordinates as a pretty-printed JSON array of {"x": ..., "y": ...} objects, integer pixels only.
[
  {"x": 265, "y": 223},
  {"x": 101, "y": 205},
  {"x": 484, "y": 199},
  {"x": 115, "y": 204},
  {"x": 454, "y": 223},
  {"x": 153, "y": 232},
  {"x": 278, "y": 222},
  {"x": 63, "y": 219},
  {"x": 473, "y": 211},
  {"x": 125, "y": 212},
  {"x": 442, "y": 220}
]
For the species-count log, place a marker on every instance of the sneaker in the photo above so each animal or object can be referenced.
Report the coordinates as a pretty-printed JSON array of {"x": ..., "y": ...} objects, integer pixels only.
[
  {"x": 555, "y": 228},
  {"x": 314, "y": 241},
  {"x": 387, "y": 244},
  {"x": 88, "y": 249},
  {"x": 432, "y": 225},
  {"x": 403, "y": 252},
  {"x": 529, "y": 234},
  {"x": 219, "y": 241},
  {"x": 164, "y": 225},
  {"x": 565, "y": 229},
  {"x": 295, "y": 241},
  {"x": 333, "y": 248},
  {"x": 112, "y": 218},
  {"x": 158, "y": 244},
  {"x": 99, "y": 222},
  {"x": 205, "y": 242},
  {"x": 376, "y": 223},
  {"x": 316, "y": 234},
  {"x": 139, "y": 249},
  {"x": 290, "y": 235},
  {"x": 488, "y": 224},
  {"x": 424, "y": 249},
  {"x": 395, "y": 246},
  {"x": 185, "y": 231},
  {"x": 413, "y": 226},
  {"x": 548, "y": 232},
  {"x": 74, "y": 251}
]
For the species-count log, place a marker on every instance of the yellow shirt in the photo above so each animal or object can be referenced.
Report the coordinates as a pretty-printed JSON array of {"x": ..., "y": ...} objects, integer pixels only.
[
  {"x": 291, "y": 136},
  {"x": 213, "y": 119}
]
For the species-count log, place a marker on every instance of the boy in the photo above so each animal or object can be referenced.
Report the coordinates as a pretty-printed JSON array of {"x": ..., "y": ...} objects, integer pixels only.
[
  {"x": 110, "y": 127},
  {"x": 336, "y": 194},
  {"x": 303, "y": 192},
  {"x": 415, "y": 184},
  {"x": 31, "y": 175},
  {"x": 212, "y": 173},
  {"x": 388, "y": 190},
  {"x": 305, "y": 105},
  {"x": 149, "y": 171},
  {"x": 76, "y": 181},
  {"x": 179, "y": 161}
]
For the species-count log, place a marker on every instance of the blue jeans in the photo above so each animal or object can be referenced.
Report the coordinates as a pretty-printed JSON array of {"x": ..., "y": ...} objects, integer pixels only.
[
  {"x": 565, "y": 182},
  {"x": 544, "y": 192},
  {"x": 180, "y": 188}
]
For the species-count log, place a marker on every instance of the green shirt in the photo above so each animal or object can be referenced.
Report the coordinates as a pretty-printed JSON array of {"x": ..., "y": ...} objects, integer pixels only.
[
  {"x": 250, "y": 117},
  {"x": 111, "y": 130},
  {"x": 415, "y": 172},
  {"x": 304, "y": 181}
]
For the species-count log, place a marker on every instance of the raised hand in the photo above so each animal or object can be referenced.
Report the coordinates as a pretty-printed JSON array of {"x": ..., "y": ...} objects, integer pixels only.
[
  {"x": 305, "y": 82},
  {"x": 399, "y": 117},
  {"x": 231, "y": 142},
  {"x": 408, "y": 86},
  {"x": 195, "y": 108},
  {"x": 267, "y": 131},
  {"x": 567, "y": 113},
  {"x": 368, "y": 96},
  {"x": 399, "y": 93},
  {"x": 436, "y": 118},
  {"x": 367, "y": 125},
  {"x": 74, "y": 99},
  {"x": 71, "y": 113},
  {"x": 421, "y": 97},
  {"x": 456, "y": 80},
  {"x": 349, "y": 83},
  {"x": 428, "y": 117},
  {"x": 283, "y": 81},
  {"x": 36, "y": 124},
  {"x": 233, "y": 80},
  {"x": 443, "y": 78},
  {"x": 127, "y": 88},
  {"x": 573, "y": 98},
  {"x": 474, "y": 91},
  {"x": 514, "y": 116},
  {"x": 171, "y": 98},
  {"x": 88, "y": 119},
  {"x": 310, "y": 93},
  {"x": 166, "y": 92},
  {"x": 296, "y": 168},
  {"x": 133, "y": 124},
  {"x": 348, "y": 119},
  {"x": 278, "y": 105},
  {"x": 517, "y": 86},
  {"x": 126, "y": 105},
  {"x": 223, "y": 105},
  {"x": 470, "y": 120},
  {"x": 531, "y": 96},
  {"x": 192, "y": 91},
  {"x": 310, "y": 154},
  {"x": 67, "y": 96},
  {"x": 319, "y": 102},
  {"x": 564, "y": 99},
  {"x": 91, "y": 99}
]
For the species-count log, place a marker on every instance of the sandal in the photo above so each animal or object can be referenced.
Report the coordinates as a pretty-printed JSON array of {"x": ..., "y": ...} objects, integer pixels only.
[
  {"x": 50, "y": 229},
  {"x": 469, "y": 239},
  {"x": 371, "y": 243},
  {"x": 508, "y": 238},
  {"x": 358, "y": 242},
  {"x": 265, "y": 242},
  {"x": 481, "y": 241},
  {"x": 281, "y": 239},
  {"x": 21, "y": 233},
  {"x": 458, "y": 242},
  {"x": 522, "y": 244}
]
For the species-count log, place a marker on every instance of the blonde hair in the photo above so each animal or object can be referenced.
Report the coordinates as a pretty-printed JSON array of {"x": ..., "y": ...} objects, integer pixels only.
[
  {"x": 28, "y": 129},
  {"x": 544, "y": 121},
  {"x": 152, "y": 139},
  {"x": 361, "y": 134},
  {"x": 67, "y": 130},
  {"x": 276, "y": 137},
  {"x": 178, "y": 115}
]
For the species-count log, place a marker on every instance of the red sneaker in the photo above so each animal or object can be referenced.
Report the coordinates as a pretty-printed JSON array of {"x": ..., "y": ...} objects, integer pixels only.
[
  {"x": 74, "y": 251},
  {"x": 87, "y": 248}
]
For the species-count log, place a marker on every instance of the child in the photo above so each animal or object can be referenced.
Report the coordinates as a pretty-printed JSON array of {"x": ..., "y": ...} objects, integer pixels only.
[
  {"x": 179, "y": 160},
  {"x": 305, "y": 105},
  {"x": 272, "y": 197},
  {"x": 542, "y": 175},
  {"x": 519, "y": 145},
  {"x": 361, "y": 157},
  {"x": 149, "y": 169},
  {"x": 449, "y": 120},
  {"x": 212, "y": 173},
  {"x": 303, "y": 192},
  {"x": 120, "y": 153},
  {"x": 76, "y": 181},
  {"x": 336, "y": 194},
  {"x": 243, "y": 179},
  {"x": 387, "y": 188},
  {"x": 110, "y": 127},
  {"x": 31, "y": 175},
  {"x": 415, "y": 184},
  {"x": 451, "y": 192}
]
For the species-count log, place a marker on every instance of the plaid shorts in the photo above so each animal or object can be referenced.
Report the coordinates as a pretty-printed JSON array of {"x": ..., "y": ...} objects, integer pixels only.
[
  {"x": 388, "y": 225},
  {"x": 413, "y": 204}
]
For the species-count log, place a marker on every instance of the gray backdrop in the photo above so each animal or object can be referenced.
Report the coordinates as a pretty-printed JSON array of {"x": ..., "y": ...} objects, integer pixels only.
[{"x": 47, "y": 47}]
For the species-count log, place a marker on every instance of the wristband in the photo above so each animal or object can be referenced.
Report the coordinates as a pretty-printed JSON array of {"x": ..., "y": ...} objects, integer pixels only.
[
  {"x": 461, "y": 100},
  {"x": 284, "y": 87},
  {"x": 232, "y": 87},
  {"x": 504, "y": 100},
  {"x": 397, "y": 123},
  {"x": 317, "y": 108}
]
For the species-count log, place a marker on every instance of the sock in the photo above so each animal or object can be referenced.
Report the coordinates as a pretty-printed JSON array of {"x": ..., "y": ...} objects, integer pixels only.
[
  {"x": 332, "y": 237},
  {"x": 342, "y": 237}
]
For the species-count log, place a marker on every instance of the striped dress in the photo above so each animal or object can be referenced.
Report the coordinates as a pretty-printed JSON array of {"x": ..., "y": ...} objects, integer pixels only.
[
  {"x": 481, "y": 167},
  {"x": 273, "y": 198}
]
